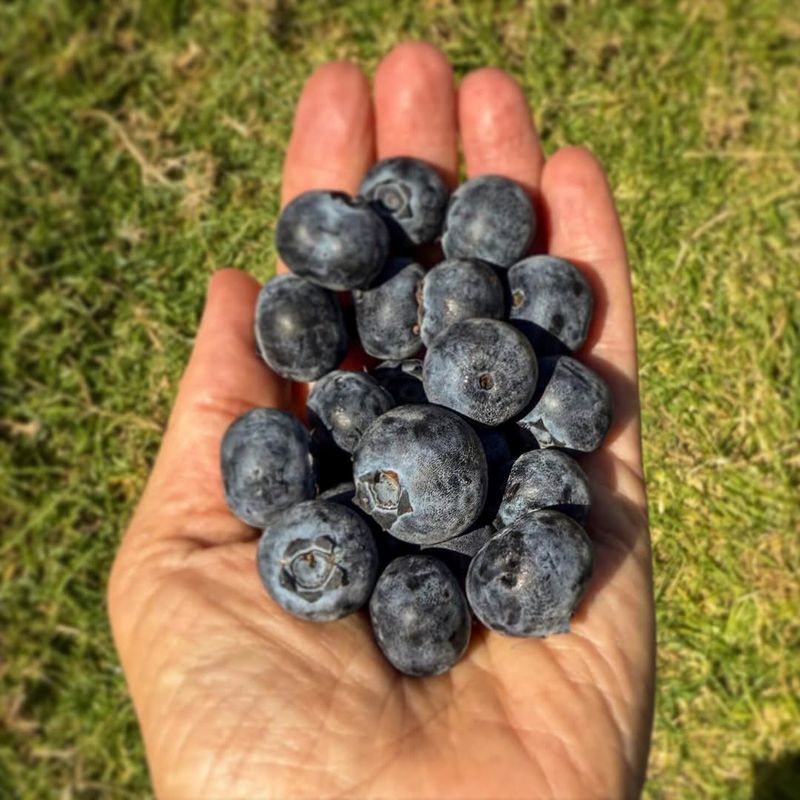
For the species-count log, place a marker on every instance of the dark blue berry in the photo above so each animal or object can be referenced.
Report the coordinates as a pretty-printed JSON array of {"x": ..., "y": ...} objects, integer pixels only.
[
  {"x": 332, "y": 239},
  {"x": 458, "y": 289},
  {"x": 318, "y": 560},
  {"x": 573, "y": 409},
  {"x": 409, "y": 195},
  {"x": 265, "y": 464},
  {"x": 551, "y": 302},
  {"x": 490, "y": 218},
  {"x": 483, "y": 368},
  {"x": 420, "y": 471},
  {"x": 420, "y": 616},
  {"x": 529, "y": 578},
  {"x": 345, "y": 404},
  {"x": 545, "y": 479},
  {"x": 299, "y": 328},
  {"x": 387, "y": 313}
]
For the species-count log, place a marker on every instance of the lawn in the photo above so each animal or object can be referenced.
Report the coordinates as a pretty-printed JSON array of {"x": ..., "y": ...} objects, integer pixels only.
[{"x": 140, "y": 149}]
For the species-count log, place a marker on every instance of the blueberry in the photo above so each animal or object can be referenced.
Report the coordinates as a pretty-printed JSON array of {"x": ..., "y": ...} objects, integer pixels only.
[
  {"x": 299, "y": 328},
  {"x": 551, "y": 302},
  {"x": 409, "y": 195},
  {"x": 483, "y": 368},
  {"x": 345, "y": 404},
  {"x": 265, "y": 464},
  {"x": 545, "y": 479},
  {"x": 332, "y": 239},
  {"x": 573, "y": 410},
  {"x": 490, "y": 218},
  {"x": 386, "y": 313},
  {"x": 420, "y": 471},
  {"x": 529, "y": 578},
  {"x": 458, "y": 289},
  {"x": 403, "y": 380},
  {"x": 420, "y": 616},
  {"x": 318, "y": 560}
]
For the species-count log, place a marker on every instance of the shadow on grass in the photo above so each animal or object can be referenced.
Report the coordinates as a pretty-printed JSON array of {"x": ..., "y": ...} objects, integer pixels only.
[{"x": 778, "y": 779}]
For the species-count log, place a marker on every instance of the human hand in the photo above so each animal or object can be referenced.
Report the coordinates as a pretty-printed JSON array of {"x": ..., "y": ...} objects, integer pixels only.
[{"x": 237, "y": 699}]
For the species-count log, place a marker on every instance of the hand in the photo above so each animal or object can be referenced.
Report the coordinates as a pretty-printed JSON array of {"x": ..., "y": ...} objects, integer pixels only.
[{"x": 237, "y": 698}]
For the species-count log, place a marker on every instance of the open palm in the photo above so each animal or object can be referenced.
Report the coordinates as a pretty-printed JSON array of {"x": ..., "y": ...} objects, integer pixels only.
[{"x": 237, "y": 699}]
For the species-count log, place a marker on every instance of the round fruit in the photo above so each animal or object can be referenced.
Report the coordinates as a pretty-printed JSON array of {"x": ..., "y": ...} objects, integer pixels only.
[
  {"x": 483, "y": 368},
  {"x": 420, "y": 471},
  {"x": 299, "y": 328},
  {"x": 420, "y": 616},
  {"x": 332, "y": 239},
  {"x": 265, "y": 464},
  {"x": 529, "y": 578},
  {"x": 318, "y": 560}
]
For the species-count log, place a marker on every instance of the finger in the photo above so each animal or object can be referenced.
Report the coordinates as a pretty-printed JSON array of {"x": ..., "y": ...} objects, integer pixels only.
[
  {"x": 224, "y": 378},
  {"x": 583, "y": 227},
  {"x": 498, "y": 136},
  {"x": 332, "y": 142},
  {"x": 415, "y": 107}
]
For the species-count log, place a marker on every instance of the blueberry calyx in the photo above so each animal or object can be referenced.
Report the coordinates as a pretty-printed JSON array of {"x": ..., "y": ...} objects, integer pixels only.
[{"x": 310, "y": 569}]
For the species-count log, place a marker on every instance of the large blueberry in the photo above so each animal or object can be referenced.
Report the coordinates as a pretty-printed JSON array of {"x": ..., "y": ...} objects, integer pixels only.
[
  {"x": 573, "y": 409},
  {"x": 299, "y": 328},
  {"x": 387, "y": 313},
  {"x": 458, "y": 289},
  {"x": 318, "y": 560},
  {"x": 265, "y": 464},
  {"x": 345, "y": 404},
  {"x": 420, "y": 471},
  {"x": 545, "y": 479},
  {"x": 410, "y": 195},
  {"x": 332, "y": 239},
  {"x": 529, "y": 578},
  {"x": 403, "y": 380},
  {"x": 420, "y": 616},
  {"x": 490, "y": 218},
  {"x": 482, "y": 368},
  {"x": 551, "y": 302}
]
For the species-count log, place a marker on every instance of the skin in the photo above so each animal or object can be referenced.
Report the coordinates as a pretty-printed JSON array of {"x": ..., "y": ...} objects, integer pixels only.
[{"x": 237, "y": 699}]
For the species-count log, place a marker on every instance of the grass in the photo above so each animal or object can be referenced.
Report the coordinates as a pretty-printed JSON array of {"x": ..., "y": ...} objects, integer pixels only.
[{"x": 140, "y": 149}]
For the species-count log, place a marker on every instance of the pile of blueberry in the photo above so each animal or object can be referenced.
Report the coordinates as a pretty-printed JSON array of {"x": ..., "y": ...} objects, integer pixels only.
[{"x": 437, "y": 484}]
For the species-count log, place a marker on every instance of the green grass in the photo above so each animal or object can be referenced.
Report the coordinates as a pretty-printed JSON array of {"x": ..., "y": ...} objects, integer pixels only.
[{"x": 140, "y": 149}]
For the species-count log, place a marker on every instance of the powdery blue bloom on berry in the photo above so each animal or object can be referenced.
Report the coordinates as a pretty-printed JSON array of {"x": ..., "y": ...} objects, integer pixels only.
[
  {"x": 458, "y": 289},
  {"x": 387, "y": 312},
  {"x": 551, "y": 302},
  {"x": 265, "y": 464},
  {"x": 573, "y": 410},
  {"x": 545, "y": 479},
  {"x": 420, "y": 472},
  {"x": 343, "y": 404},
  {"x": 318, "y": 560},
  {"x": 483, "y": 368},
  {"x": 409, "y": 195},
  {"x": 332, "y": 239},
  {"x": 420, "y": 616},
  {"x": 299, "y": 328},
  {"x": 529, "y": 579},
  {"x": 491, "y": 218}
]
